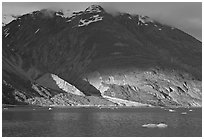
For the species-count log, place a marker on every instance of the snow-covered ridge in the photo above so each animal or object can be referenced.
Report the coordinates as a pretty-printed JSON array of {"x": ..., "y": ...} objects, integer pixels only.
[
  {"x": 7, "y": 19},
  {"x": 85, "y": 22},
  {"x": 65, "y": 86},
  {"x": 144, "y": 19},
  {"x": 65, "y": 13},
  {"x": 59, "y": 14}
]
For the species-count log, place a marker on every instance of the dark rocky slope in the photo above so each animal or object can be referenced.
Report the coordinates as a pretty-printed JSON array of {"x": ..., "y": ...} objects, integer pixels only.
[{"x": 95, "y": 56}]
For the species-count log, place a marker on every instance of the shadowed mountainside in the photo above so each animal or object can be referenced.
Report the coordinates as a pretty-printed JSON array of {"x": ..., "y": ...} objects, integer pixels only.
[{"x": 91, "y": 56}]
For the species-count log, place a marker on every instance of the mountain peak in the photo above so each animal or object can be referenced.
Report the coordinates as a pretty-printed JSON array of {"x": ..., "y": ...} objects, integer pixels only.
[
  {"x": 7, "y": 19},
  {"x": 144, "y": 19},
  {"x": 94, "y": 8}
]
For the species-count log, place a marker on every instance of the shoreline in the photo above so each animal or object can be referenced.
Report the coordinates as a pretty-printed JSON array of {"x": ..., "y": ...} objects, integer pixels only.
[{"x": 99, "y": 107}]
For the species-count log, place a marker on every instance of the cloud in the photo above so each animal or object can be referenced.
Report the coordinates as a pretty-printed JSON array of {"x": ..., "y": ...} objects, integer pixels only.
[
  {"x": 110, "y": 9},
  {"x": 183, "y": 15},
  {"x": 48, "y": 13}
]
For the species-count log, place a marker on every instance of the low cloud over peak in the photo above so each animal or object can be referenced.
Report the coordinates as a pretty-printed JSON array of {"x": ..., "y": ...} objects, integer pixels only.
[{"x": 183, "y": 15}]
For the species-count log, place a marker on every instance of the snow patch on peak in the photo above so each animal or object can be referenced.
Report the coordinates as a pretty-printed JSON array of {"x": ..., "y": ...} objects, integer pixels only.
[
  {"x": 72, "y": 15},
  {"x": 6, "y": 32},
  {"x": 144, "y": 19},
  {"x": 7, "y": 19},
  {"x": 59, "y": 14},
  {"x": 77, "y": 13},
  {"x": 65, "y": 13},
  {"x": 85, "y": 22},
  {"x": 65, "y": 86},
  {"x": 141, "y": 19},
  {"x": 95, "y": 16},
  {"x": 69, "y": 20}
]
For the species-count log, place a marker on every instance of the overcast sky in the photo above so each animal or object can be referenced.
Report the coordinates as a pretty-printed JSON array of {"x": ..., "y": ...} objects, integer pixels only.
[{"x": 185, "y": 16}]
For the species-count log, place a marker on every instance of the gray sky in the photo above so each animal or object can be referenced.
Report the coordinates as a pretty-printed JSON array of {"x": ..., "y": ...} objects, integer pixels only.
[{"x": 185, "y": 16}]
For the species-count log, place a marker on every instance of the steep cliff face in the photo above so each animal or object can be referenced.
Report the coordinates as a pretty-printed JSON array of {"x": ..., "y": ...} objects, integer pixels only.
[{"x": 86, "y": 58}]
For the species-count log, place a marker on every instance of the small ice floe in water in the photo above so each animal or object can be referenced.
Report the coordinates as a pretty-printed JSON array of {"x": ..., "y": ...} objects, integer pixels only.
[
  {"x": 160, "y": 125},
  {"x": 149, "y": 125},
  {"x": 49, "y": 109},
  {"x": 184, "y": 113},
  {"x": 170, "y": 110}
]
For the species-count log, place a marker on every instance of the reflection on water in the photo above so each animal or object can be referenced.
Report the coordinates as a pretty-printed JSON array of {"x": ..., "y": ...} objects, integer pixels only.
[{"x": 23, "y": 121}]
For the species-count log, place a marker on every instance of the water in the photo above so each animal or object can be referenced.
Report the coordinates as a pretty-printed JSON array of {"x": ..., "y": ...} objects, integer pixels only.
[{"x": 121, "y": 122}]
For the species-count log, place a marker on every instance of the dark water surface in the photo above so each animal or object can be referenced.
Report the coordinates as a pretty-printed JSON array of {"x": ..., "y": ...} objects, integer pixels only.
[{"x": 33, "y": 121}]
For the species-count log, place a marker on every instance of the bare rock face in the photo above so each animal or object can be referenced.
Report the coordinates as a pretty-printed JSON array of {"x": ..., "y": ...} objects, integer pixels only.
[
  {"x": 94, "y": 58},
  {"x": 65, "y": 86},
  {"x": 153, "y": 87}
]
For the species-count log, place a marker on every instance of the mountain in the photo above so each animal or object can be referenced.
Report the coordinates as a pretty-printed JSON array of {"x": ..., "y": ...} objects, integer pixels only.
[
  {"x": 7, "y": 19},
  {"x": 95, "y": 58}
]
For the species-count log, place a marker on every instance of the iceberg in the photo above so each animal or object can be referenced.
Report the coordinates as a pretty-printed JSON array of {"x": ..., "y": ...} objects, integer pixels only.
[{"x": 160, "y": 125}]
